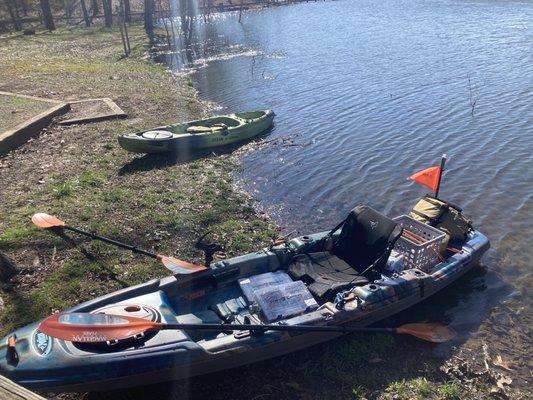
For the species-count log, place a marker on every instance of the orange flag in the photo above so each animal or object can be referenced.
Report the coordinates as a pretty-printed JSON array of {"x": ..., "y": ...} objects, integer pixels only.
[{"x": 428, "y": 177}]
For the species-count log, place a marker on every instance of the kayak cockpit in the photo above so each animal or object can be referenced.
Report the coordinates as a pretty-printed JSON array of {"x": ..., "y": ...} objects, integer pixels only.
[
  {"x": 251, "y": 115},
  {"x": 212, "y": 125}
]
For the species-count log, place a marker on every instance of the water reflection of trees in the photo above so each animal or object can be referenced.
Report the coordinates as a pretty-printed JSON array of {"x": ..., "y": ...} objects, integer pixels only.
[
  {"x": 177, "y": 18},
  {"x": 186, "y": 30}
]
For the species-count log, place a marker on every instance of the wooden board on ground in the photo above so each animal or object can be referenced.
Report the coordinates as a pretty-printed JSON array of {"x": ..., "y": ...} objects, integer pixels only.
[
  {"x": 92, "y": 110},
  {"x": 23, "y": 117},
  {"x": 9, "y": 390}
]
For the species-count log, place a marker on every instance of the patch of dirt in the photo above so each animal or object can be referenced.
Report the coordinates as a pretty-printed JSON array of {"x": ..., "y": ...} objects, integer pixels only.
[{"x": 87, "y": 109}]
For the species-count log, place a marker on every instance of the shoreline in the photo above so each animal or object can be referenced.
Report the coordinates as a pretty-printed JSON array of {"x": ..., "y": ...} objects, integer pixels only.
[{"x": 80, "y": 174}]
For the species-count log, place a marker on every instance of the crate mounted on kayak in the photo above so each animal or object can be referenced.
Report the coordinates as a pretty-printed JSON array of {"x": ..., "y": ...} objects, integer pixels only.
[{"x": 419, "y": 243}]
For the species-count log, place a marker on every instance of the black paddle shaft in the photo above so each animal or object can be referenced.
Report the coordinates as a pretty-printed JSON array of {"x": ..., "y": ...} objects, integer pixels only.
[
  {"x": 262, "y": 328},
  {"x": 135, "y": 249}
]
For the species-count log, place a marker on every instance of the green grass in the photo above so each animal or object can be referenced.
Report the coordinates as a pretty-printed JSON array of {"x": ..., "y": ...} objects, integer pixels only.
[
  {"x": 359, "y": 393},
  {"x": 91, "y": 179},
  {"x": 399, "y": 390},
  {"x": 64, "y": 189},
  {"x": 95, "y": 185},
  {"x": 450, "y": 391},
  {"x": 71, "y": 283},
  {"x": 16, "y": 235},
  {"x": 117, "y": 195},
  {"x": 421, "y": 388}
]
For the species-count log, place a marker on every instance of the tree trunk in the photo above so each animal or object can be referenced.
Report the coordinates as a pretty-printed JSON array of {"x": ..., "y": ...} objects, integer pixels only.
[
  {"x": 85, "y": 13},
  {"x": 14, "y": 14},
  {"x": 108, "y": 13},
  {"x": 127, "y": 11},
  {"x": 148, "y": 19},
  {"x": 96, "y": 9},
  {"x": 24, "y": 7},
  {"x": 47, "y": 15}
]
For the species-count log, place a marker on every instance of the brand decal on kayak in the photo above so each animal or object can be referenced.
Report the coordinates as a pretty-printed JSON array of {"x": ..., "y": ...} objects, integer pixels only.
[
  {"x": 90, "y": 337},
  {"x": 42, "y": 343}
]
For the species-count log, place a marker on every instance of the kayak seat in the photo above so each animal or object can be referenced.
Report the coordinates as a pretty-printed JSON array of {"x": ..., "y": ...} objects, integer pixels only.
[
  {"x": 205, "y": 129},
  {"x": 325, "y": 274},
  {"x": 366, "y": 240}
]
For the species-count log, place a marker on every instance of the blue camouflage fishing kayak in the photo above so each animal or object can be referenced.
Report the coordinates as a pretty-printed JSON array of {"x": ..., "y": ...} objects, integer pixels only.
[{"x": 308, "y": 280}]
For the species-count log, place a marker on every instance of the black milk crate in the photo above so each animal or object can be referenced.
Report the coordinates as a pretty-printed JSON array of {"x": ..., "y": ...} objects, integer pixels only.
[{"x": 419, "y": 255}]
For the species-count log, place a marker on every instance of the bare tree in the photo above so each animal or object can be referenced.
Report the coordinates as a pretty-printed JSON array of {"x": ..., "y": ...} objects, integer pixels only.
[
  {"x": 149, "y": 6},
  {"x": 108, "y": 13},
  {"x": 24, "y": 6},
  {"x": 187, "y": 19},
  {"x": 95, "y": 7},
  {"x": 164, "y": 17},
  {"x": 14, "y": 14},
  {"x": 127, "y": 11},
  {"x": 47, "y": 15},
  {"x": 123, "y": 28},
  {"x": 86, "y": 17}
]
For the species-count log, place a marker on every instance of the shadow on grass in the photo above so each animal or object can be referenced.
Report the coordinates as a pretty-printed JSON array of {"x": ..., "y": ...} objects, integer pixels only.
[
  {"x": 150, "y": 162},
  {"x": 61, "y": 284}
]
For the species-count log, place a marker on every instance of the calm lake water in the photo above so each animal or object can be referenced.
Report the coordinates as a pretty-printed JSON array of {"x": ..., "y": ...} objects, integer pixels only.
[{"x": 372, "y": 91}]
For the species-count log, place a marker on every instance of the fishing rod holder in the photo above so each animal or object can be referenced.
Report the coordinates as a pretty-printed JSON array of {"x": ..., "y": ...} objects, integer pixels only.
[{"x": 209, "y": 249}]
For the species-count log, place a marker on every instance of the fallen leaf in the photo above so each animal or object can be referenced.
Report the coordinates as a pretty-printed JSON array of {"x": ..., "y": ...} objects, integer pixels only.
[
  {"x": 500, "y": 362},
  {"x": 502, "y": 381}
]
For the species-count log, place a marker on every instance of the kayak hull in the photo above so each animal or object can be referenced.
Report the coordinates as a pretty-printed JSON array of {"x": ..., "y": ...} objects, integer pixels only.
[
  {"x": 173, "y": 355},
  {"x": 237, "y": 128}
]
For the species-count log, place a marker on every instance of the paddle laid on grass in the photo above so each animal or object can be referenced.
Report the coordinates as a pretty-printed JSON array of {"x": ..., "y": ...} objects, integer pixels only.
[
  {"x": 91, "y": 328},
  {"x": 175, "y": 265}
]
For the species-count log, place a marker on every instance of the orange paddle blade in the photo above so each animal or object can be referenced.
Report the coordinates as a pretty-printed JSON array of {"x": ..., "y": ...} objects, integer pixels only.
[
  {"x": 179, "y": 266},
  {"x": 92, "y": 328},
  {"x": 46, "y": 221},
  {"x": 432, "y": 332}
]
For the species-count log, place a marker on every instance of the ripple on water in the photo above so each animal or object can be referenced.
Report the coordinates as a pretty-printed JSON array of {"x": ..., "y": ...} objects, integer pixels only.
[{"x": 380, "y": 90}]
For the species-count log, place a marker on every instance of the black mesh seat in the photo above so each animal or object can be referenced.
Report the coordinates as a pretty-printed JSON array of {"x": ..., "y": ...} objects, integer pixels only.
[
  {"x": 358, "y": 254},
  {"x": 324, "y": 274},
  {"x": 366, "y": 240}
]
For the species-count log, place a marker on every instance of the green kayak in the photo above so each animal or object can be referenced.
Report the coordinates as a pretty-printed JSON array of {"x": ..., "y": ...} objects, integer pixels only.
[{"x": 201, "y": 134}]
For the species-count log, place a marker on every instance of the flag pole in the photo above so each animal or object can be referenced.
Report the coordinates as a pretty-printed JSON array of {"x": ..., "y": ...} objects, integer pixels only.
[{"x": 442, "y": 162}]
